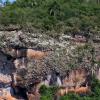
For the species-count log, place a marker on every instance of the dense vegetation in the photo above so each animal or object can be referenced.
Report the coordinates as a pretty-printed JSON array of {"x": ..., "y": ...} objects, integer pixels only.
[
  {"x": 62, "y": 16},
  {"x": 48, "y": 93}
]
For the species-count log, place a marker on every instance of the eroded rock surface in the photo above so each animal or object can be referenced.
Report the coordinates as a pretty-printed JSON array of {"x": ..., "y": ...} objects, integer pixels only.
[{"x": 52, "y": 69}]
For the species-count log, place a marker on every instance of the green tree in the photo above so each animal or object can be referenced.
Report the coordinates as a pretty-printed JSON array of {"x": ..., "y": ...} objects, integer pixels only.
[{"x": 7, "y": 2}]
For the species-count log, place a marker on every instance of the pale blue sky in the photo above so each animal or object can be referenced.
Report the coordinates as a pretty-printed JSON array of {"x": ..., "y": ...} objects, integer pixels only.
[{"x": 9, "y": 0}]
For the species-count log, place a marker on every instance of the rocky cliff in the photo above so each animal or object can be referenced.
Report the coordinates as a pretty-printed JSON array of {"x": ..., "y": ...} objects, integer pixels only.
[{"x": 63, "y": 60}]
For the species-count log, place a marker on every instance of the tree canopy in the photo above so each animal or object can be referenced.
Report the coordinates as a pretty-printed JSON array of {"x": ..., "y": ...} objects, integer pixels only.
[{"x": 59, "y": 15}]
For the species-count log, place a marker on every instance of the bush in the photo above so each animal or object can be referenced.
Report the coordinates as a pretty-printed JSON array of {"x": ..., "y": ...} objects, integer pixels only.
[
  {"x": 80, "y": 15},
  {"x": 48, "y": 93}
]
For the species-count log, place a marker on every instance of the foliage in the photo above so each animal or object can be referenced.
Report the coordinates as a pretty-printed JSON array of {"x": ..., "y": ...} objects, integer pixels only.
[
  {"x": 78, "y": 15},
  {"x": 47, "y": 93}
]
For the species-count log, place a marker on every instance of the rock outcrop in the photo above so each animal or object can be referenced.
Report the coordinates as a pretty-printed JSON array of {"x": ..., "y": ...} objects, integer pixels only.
[{"x": 24, "y": 54}]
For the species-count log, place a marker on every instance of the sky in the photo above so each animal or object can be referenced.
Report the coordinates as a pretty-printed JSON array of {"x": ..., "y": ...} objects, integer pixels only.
[{"x": 9, "y": 0}]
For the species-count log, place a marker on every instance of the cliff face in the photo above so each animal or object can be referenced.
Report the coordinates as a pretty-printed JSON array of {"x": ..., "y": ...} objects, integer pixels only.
[
  {"x": 36, "y": 57},
  {"x": 36, "y": 41},
  {"x": 56, "y": 60},
  {"x": 62, "y": 57},
  {"x": 6, "y": 69}
]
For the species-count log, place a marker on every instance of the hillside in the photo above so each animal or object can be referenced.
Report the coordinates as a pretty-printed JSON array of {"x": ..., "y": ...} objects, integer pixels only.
[
  {"x": 53, "y": 17},
  {"x": 55, "y": 43}
]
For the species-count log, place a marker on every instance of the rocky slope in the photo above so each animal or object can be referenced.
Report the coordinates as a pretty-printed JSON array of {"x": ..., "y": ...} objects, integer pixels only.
[
  {"x": 63, "y": 46},
  {"x": 64, "y": 57},
  {"x": 37, "y": 41}
]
